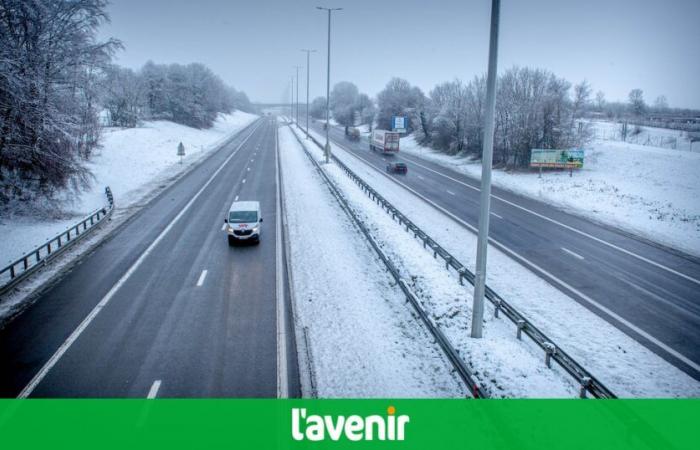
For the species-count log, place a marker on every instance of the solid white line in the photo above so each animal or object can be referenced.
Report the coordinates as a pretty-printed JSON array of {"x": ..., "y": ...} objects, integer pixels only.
[
  {"x": 91, "y": 316},
  {"x": 153, "y": 392},
  {"x": 450, "y": 192},
  {"x": 568, "y": 227},
  {"x": 496, "y": 215},
  {"x": 282, "y": 376},
  {"x": 574, "y": 254},
  {"x": 420, "y": 177},
  {"x": 201, "y": 278},
  {"x": 535, "y": 268}
]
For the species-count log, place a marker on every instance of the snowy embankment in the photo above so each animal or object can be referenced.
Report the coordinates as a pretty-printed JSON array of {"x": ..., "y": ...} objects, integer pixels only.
[
  {"x": 649, "y": 191},
  {"x": 363, "y": 340},
  {"x": 517, "y": 368},
  {"x": 132, "y": 162}
]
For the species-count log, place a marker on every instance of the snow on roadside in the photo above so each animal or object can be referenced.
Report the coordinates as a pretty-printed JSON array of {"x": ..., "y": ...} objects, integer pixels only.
[
  {"x": 363, "y": 340},
  {"x": 621, "y": 363},
  {"x": 647, "y": 190},
  {"x": 131, "y": 161}
]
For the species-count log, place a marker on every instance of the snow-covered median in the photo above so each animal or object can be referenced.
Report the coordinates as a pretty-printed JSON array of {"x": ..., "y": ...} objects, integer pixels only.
[
  {"x": 132, "y": 162},
  {"x": 618, "y": 361},
  {"x": 362, "y": 337},
  {"x": 647, "y": 190}
]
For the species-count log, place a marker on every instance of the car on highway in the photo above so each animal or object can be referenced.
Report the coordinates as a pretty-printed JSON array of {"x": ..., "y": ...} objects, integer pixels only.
[
  {"x": 397, "y": 167},
  {"x": 243, "y": 223},
  {"x": 353, "y": 134}
]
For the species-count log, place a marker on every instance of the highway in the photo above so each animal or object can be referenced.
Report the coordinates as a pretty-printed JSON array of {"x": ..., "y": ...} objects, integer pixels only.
[
  {"x": 647, "y": 290},
  {"x": 164, "y": 307}
]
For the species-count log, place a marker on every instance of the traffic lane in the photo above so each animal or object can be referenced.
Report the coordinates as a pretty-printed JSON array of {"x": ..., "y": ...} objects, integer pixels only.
[
  {"x": 28, "y": 342},
  {"x": 117, "y": 354},
  {"x": 676, "y": 327},
  {"x": 674, "y": 259}
]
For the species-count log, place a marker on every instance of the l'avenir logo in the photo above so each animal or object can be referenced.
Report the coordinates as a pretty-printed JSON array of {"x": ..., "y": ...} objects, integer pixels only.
[{"x": 313, "y": 427}]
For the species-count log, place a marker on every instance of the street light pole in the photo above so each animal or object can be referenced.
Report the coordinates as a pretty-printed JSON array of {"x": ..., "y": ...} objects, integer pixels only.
[
  {"x": 297, "y": 68},
  {"x": 486, "y": 161},
  {"x": 291, "y": 102},
  {"x": 308, "y": 58},
  {"x": 328, "y": 84}
]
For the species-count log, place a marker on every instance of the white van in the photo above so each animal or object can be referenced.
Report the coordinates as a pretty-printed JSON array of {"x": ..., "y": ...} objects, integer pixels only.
[{"x": 243, "y": 222}]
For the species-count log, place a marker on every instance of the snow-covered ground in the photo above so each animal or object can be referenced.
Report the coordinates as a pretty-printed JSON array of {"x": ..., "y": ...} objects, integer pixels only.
[
  {"x": 622, "y": 364},
  {"x": 132, "y": 162},
  {"x": 362, "y": 338},
  {"x": 649, "y": 136},
  {"x": 647, "y": 190}
]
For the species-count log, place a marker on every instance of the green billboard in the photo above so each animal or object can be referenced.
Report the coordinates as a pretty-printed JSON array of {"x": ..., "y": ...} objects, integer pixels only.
[{"x": 556, "y": 158}]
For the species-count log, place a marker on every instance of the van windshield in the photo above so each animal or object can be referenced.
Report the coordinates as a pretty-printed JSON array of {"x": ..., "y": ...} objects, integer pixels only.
[{"x": 243, "y": 216}]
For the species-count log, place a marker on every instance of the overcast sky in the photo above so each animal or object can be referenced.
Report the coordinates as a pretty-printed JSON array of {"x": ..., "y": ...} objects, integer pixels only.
[{"x": 616, "y": 45}]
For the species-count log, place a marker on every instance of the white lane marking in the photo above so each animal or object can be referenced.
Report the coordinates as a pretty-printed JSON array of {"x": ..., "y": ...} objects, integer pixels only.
[
  {"x": 223, "y": 227},
  {"x": 91, "y": 316},
  {"x": 235, "y": 199},
  {"x": 574, "y": 254},
  {"x": 252, "y": 160},
  {"x": 282, "y": 376},
  {"x": 243, "y": 181},
  {"x": 496, "y": 215},
  {"x": 248, "y": 169},
  {"x": 450, "y": 192},
  {"x": 201, "y": 278},
  {"x": 535, "y": 268},
  {"x": 568, "y": 227},
  {"x": 420, "y": 177},
  {"x": 153, "y": 392}
]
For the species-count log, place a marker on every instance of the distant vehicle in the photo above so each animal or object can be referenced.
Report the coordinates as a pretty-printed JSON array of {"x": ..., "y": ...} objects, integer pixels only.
[
  {"x": 244, "y": 223},
  {"x": 384, "y": 141},
  {"x": 397, "y": 167},
  {"x": 353, "y": 134}
]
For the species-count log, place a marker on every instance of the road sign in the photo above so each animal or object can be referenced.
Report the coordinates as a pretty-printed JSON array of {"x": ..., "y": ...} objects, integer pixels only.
[
  {"x": 557, "y": 159},
  {"x": 399, "y": 124}
]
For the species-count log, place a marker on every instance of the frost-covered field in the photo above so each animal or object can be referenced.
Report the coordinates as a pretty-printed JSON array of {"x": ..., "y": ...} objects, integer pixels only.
[
  {"x": 647, "y": 190},
  {"x": 622, "y": 364},
  {"x": 362, "y": 338},
  {"x": 132, "y": 161}
]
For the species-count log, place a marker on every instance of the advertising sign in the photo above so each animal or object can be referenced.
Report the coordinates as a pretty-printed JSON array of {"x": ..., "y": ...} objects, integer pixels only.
[
  {"x": 399, "y": 124},
  {"x": 557, "y": 159}
]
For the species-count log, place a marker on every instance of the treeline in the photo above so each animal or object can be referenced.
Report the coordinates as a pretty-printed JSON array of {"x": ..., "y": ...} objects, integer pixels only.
[
  {"x": 534, "y": 109},
  {"x": 188, "y": 94},
  {"x": 56, "y": 79}
]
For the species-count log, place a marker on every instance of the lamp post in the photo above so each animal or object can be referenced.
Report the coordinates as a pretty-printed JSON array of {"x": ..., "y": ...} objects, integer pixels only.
[
  {"x": 297, "y": 108},
  {"x": 308, "y": 57},
  {"x": 291, "y": 102},
  {"x": 328, "y": 83},
  {"x": 486, "y": 161}
]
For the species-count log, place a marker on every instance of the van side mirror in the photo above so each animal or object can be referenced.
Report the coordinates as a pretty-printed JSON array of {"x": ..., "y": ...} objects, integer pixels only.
[
  {"x": 261, "y": 219},
  {"x": 225, "y": 220}
]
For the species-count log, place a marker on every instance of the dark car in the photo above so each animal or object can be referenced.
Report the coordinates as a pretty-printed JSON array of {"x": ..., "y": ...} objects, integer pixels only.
[{"x": 397, "y": 167}]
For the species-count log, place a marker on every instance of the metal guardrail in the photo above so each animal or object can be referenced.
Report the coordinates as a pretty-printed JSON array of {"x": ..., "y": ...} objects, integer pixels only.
[
  {"x": 587, "y": 382},
  {"x": 40, "y": 256},
  {"x": 457, "y": 362}
]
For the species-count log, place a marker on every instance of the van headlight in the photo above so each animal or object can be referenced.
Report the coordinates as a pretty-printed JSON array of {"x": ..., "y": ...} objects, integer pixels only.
[{"x": 255, "y": 229}]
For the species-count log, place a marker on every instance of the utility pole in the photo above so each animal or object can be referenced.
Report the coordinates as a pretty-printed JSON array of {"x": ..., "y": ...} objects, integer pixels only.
[
  {"x": 291, "y": 102},
  {"x": 297, "y": 68},
  {"x": 308, "y": 58},
  {"x": 328, "y": 84},
  {"x": 486, "y": 162}
]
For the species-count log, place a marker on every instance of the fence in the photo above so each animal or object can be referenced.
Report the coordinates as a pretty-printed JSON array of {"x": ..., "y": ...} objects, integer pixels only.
[{"x": 23, "y": 267}]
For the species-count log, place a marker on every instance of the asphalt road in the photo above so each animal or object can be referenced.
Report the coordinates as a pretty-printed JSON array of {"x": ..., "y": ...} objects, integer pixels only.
[
  {"x": 165, "y": 307},
  {"x": 649, "y": 291}
]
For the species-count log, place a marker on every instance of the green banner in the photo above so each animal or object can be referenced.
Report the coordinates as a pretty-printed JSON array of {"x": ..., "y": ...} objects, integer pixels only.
[{"x": 399, "y": 424}]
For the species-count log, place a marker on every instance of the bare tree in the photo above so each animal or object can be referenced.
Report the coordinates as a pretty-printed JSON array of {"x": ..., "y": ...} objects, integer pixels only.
[{"x": 636, "y": 102}]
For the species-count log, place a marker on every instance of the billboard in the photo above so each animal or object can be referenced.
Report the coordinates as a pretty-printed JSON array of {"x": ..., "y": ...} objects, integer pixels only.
[
  {"x": 558, "y": 159},
  {"x": 399, "y": 124}
]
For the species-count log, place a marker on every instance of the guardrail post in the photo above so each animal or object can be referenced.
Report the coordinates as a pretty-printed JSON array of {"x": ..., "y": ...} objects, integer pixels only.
[
  {"x": 26, "y": 263},
  {"x": 498, "y": 308},
  {"x": 521, "y": 326},
  {"x": 461, "y": 276},
  {"x": 585, "y": 384},
  {"x": 12, "y": 271},
  {"x": 550, "y": 349}
]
